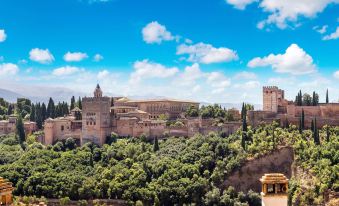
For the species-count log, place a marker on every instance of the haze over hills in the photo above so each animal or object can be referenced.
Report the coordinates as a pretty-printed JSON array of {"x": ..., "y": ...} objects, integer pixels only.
[{"x": 40, "y": 94}]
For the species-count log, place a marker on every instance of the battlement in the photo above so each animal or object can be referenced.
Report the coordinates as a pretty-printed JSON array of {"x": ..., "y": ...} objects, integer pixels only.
[
  {"x": 95, "y": 99},
  {"x": 270, "y": 88}
]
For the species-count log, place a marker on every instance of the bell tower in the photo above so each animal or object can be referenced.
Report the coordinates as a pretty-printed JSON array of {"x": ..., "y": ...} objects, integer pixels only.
[
  {"x": 97, "y": 91},
  {"x": 274, "y": 190}
]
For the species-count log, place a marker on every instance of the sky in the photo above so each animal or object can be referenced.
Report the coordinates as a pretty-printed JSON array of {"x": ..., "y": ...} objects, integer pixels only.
[{"x": 218, "y": 51}]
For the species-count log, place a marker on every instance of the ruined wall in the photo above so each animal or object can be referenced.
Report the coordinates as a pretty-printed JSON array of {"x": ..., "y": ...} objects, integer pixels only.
[{"x": 247, "y": 176}]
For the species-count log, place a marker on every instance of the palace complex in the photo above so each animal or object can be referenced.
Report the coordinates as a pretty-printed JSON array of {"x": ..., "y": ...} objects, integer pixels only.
[
  {"x": 101, "y": 115},
  {"x": 9, "y": 126},
  {"x": 277, "y": 108}
]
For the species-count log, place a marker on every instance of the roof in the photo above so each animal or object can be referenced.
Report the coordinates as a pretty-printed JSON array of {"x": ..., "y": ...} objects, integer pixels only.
[
  {"x": 123, "y": 99},
  {"x": 273, "y": 178},
  {"x": 123, "y": 107},
  {"x": 138, "y": 111},
  {"x": 162, "y": 100}
]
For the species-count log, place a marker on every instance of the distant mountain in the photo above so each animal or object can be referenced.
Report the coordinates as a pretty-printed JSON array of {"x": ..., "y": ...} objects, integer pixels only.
[{"x": 9, "y": 96}]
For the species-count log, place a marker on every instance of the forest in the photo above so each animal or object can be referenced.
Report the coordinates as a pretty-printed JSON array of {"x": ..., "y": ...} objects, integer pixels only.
[{"x": 171, "y": 171}]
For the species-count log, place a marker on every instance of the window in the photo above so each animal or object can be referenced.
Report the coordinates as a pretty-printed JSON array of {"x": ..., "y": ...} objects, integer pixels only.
[{"x": 62, "y": 128}]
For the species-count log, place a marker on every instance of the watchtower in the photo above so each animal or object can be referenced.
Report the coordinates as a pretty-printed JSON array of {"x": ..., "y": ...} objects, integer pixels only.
[
  {"x": 274, "y": 190},
  {"x": 272, "y": 98}
]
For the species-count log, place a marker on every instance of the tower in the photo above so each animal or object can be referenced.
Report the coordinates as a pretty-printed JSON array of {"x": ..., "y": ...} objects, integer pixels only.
[
  {"x": 96, "y": 118},
  {"x": 274, "y": 190},
  {"x": 272, "y": 98}
]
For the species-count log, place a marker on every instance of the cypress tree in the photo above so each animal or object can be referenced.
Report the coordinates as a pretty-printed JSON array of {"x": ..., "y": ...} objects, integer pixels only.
[
  {"x": 302, "y": 120},
  {"x": 328, "y": 133},
  {"x": 43, "y": 112},
  {"x": 32, "y": 116},
  {"x": 327, "y": 99},
  {"x": 50, "y": 108},
  {"x": 72, "y": 102},
  {"x": 314, "y": 99},
  {"x": 156, "y": 144},
  {"x": 38, "y": 117},
  {"x": 312, "y": 125},
  {"x": 10, "y": 109},
  {"x": 20, "y": 130},
  {"x": 316, "y": 133},
  {"x": 79, "y": 103}
]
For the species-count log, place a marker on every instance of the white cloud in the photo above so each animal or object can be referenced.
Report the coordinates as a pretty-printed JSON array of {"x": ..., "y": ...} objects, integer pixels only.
[
  {"x": 240, "y": 4},
  {"x": 248, "y": 85},
  {"x": 42, "y": 56},
  {"x": 75, "y": 56},
  {"x": 218, "y": 82},
  {"x": 336, "y": 74},
  {"x": 334, "y": 35},
  {"x": 146, "y": 70},
  {"x": 206, "y": 53},
  {"x": 98, "y": 57},
  {"x": 156, "y": 33},
  {"x": 190, "y": 75},
  {"x": 245, "y": 75},
  {"x": 286, "y": 11},
  {"x": 8, "y": 69},
  {"x": 103, "y": 74},
  {"x": 294, "y": 61},
  {"x": 321, "y": 30},
  {"x": 3, "y": 35},
  {"x": 65, "y": 71}
]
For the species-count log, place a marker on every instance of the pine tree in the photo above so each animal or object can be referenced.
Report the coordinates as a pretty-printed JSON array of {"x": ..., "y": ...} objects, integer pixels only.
[
  {"x": 156, "y": 144},
  {"x": 32, "y": 116},
  {"x": 72, "y": 102},
  {"x": 327, "y": 99},
  {"x": 20, "y": 130}
]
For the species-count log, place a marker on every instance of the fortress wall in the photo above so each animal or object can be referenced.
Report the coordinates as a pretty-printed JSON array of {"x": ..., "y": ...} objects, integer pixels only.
[{"x": 248, "y": 175}]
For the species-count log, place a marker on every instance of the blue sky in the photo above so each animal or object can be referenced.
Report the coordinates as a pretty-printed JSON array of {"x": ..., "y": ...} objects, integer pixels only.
[{"x": 205, "y": 50}]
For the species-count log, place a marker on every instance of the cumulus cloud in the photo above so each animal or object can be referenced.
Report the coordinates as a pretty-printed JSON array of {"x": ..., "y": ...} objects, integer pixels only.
[
  {"x": 206, "y": 53},
  {"x": 75, "y": 56},
  {"x": 98, "y": 57},
  {"x": 321, "y": 30},
  {"x": 8, "y": 69},
  {"x": 336, "y": 74},
  {"x": 332, "y": 36},
  {"x": 103, "y": 74},
  {"x": 3, "y": 35},
  {"x": 241, "y": 4},
  {"x": 294, "y": 61},
  {"x": 283, "y": 12},
  {"x": 218, "y": 82},
  {"x": 65, "y": 71},
  {"x": 156, "y": 33},
  {"x": 190, "y": 75},
  {"x": 248, "y": 85},
  {"x": 42, "y": 56},
  {"x": 245, "y": 75},
  {"x": 146, "y": 70}
]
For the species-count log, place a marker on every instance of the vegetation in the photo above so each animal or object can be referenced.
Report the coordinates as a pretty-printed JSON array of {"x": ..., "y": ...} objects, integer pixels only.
[
  {"x": 166, "y": 172},
  {"x": 308, "y": 100}
]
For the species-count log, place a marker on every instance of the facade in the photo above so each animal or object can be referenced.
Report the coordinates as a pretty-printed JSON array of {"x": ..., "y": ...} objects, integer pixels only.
[
  {"x": 9, "y": 126},
  {"x": 274, "y": 190},
  {"x": 100, "y": 116},
  {"x": 277, "y": 108}
]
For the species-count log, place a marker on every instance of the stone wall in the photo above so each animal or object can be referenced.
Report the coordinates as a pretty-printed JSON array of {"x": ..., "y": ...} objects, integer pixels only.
[{"x": 248, "y": 175}]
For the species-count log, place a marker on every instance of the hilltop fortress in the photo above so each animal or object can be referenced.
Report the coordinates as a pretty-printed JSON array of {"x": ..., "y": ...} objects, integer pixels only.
[
  {"x": 277, "y": 108},
  {"x": 100, "y": 116}
]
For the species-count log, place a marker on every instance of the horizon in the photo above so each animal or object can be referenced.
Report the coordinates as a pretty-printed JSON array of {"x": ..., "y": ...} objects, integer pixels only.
[{"x": 60, "y": 47}]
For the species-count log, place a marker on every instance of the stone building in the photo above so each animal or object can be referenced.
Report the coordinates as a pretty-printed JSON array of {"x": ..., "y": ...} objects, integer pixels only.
[
  {"x": 277, "y": 108},
  {"x": 9, "y": 126},
  {"x": 6, "y": 189},
  {"x": 274, "y": 190},
  {"x": 103, "y": 115}
]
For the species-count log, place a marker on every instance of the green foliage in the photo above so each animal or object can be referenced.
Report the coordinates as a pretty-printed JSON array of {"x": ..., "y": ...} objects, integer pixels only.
[{"x": 20, "y": 130}]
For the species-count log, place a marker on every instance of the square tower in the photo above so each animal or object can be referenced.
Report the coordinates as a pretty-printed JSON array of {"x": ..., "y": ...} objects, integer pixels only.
[
  {"x": 272, "y": 98},
  {"x": 96, "y": 118}
]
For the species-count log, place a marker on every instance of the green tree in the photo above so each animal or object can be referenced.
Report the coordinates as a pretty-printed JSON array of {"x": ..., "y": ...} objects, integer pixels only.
[
  {"x": 156, "y": 144},
  {"x": 316, "y": 133},
  {"x": 33, "y": 113},
  {"x": 20, "y": 130},
  {"x": 327, "y": 99},
  {"x": 72, "y": 103},
  {"x": 50, "y": 112},
  {"x": 79, "y": 103}
]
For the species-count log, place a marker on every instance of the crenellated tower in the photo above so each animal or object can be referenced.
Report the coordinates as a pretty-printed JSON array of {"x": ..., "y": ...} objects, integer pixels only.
[{"x": 272, "y": 98}]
